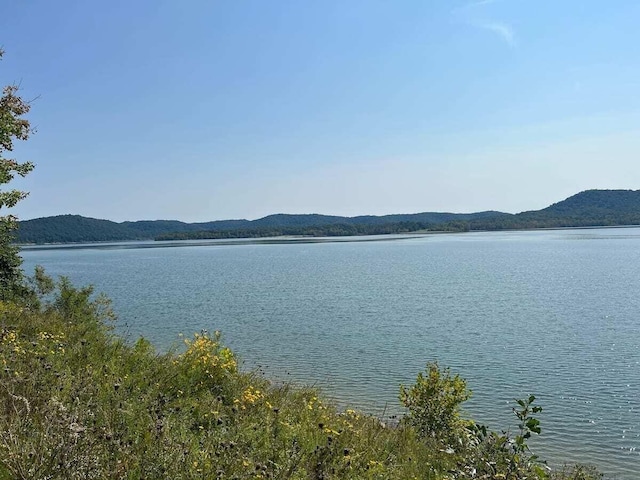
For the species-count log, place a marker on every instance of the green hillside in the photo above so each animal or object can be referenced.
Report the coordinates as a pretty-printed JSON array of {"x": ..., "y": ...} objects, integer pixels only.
[
  {"x": 75, "y": 228},
  {"x": 588, "y": 208},
  {"x": 598, "y": 202}
]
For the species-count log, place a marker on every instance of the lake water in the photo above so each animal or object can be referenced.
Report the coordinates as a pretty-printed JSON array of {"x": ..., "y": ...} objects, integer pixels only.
[{"x": 553, "y": 313}]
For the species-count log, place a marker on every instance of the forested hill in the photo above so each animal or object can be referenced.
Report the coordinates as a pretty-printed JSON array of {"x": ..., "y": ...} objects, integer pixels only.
[
  {"x": 588, "y": 208},
  {"x": 75, "y": 228},
  {"x": 598, "y": 202}
]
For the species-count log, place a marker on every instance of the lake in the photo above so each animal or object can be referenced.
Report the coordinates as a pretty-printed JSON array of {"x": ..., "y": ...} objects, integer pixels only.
[{"x": 553, "y": 313}]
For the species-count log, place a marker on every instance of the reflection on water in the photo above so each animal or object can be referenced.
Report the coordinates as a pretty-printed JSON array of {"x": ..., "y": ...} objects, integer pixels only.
[{"x": 281, "y": 240}]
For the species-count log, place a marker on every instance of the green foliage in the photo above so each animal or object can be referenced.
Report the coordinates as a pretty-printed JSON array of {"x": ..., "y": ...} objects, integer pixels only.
[
  {"x": 206, "y": 364},
  {"x": 528, "y": 424},
  {"x": 434, "y": 403},
  {"x": 75, "y": 228},
  {"x": 577, "y": 472},
  {"x": 12, "y": 127},
  {"x": 590, "y": 208},
  {"x": 10, "y": 261},
  {"x": 332, "y": 230},
  {"x": 489, "y": 455},
  {"x": 41, "y": 283}
]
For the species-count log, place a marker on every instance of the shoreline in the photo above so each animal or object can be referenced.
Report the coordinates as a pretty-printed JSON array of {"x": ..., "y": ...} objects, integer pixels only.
[{"x": 288, "y": 239}]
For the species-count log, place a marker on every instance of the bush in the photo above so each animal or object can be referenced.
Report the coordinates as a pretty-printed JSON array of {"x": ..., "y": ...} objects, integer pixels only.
[
  {"x": 434, "y": 405},
  {"x": 577, "y": 472}
]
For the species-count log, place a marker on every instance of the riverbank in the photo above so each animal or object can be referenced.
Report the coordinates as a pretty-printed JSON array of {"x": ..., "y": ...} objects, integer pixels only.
[{"x": 79, "y": 402}]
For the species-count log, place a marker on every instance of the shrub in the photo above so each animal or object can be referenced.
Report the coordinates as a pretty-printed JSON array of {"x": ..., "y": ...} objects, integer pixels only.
[
  {"x": 206, "y": 364},
  {"x": 434, "y": 404},
  {"x": 489, "y": 455},
  {"x": 577, "y": 472}
]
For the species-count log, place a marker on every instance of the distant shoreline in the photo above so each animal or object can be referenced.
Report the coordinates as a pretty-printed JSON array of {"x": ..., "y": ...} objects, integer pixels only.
[
  {"x": 587, "y": 209},
  {"x": 282, "y": 239}
]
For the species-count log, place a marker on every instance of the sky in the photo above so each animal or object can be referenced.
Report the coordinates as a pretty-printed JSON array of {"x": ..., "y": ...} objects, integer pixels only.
[{"x": 204, "y": 110}]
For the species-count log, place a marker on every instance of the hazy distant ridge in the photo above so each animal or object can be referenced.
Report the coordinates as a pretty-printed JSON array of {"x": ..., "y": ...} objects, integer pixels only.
[{"x": 588, "y": 208}]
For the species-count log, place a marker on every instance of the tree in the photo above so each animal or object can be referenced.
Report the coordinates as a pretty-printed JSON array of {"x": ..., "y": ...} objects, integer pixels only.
[{"x": 12, "y": 127}]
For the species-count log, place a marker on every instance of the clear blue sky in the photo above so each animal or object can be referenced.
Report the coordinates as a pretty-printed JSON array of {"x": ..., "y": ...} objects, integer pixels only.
[{"x": 203, "y": 110}]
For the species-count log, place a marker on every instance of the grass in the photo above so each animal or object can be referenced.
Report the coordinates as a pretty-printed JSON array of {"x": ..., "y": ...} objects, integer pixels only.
[{"x": 77, "y": 402}]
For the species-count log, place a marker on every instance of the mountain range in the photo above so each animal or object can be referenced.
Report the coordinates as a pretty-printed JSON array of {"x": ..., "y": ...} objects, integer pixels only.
[{"x": 587, "y": 208}]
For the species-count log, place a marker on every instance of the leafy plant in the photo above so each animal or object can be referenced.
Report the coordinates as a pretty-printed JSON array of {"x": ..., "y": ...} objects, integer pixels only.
[
  {"x": 12, "y": 127},
  {"x": 490, "y": 455},
  {"x": 577, "y": 472},
  {"x": 527, "y": 425},
  {"x": 434, "y": 404}
]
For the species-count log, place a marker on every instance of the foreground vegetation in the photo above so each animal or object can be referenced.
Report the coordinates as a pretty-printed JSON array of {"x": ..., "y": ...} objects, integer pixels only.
[{"x": 76, "y": 401}]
